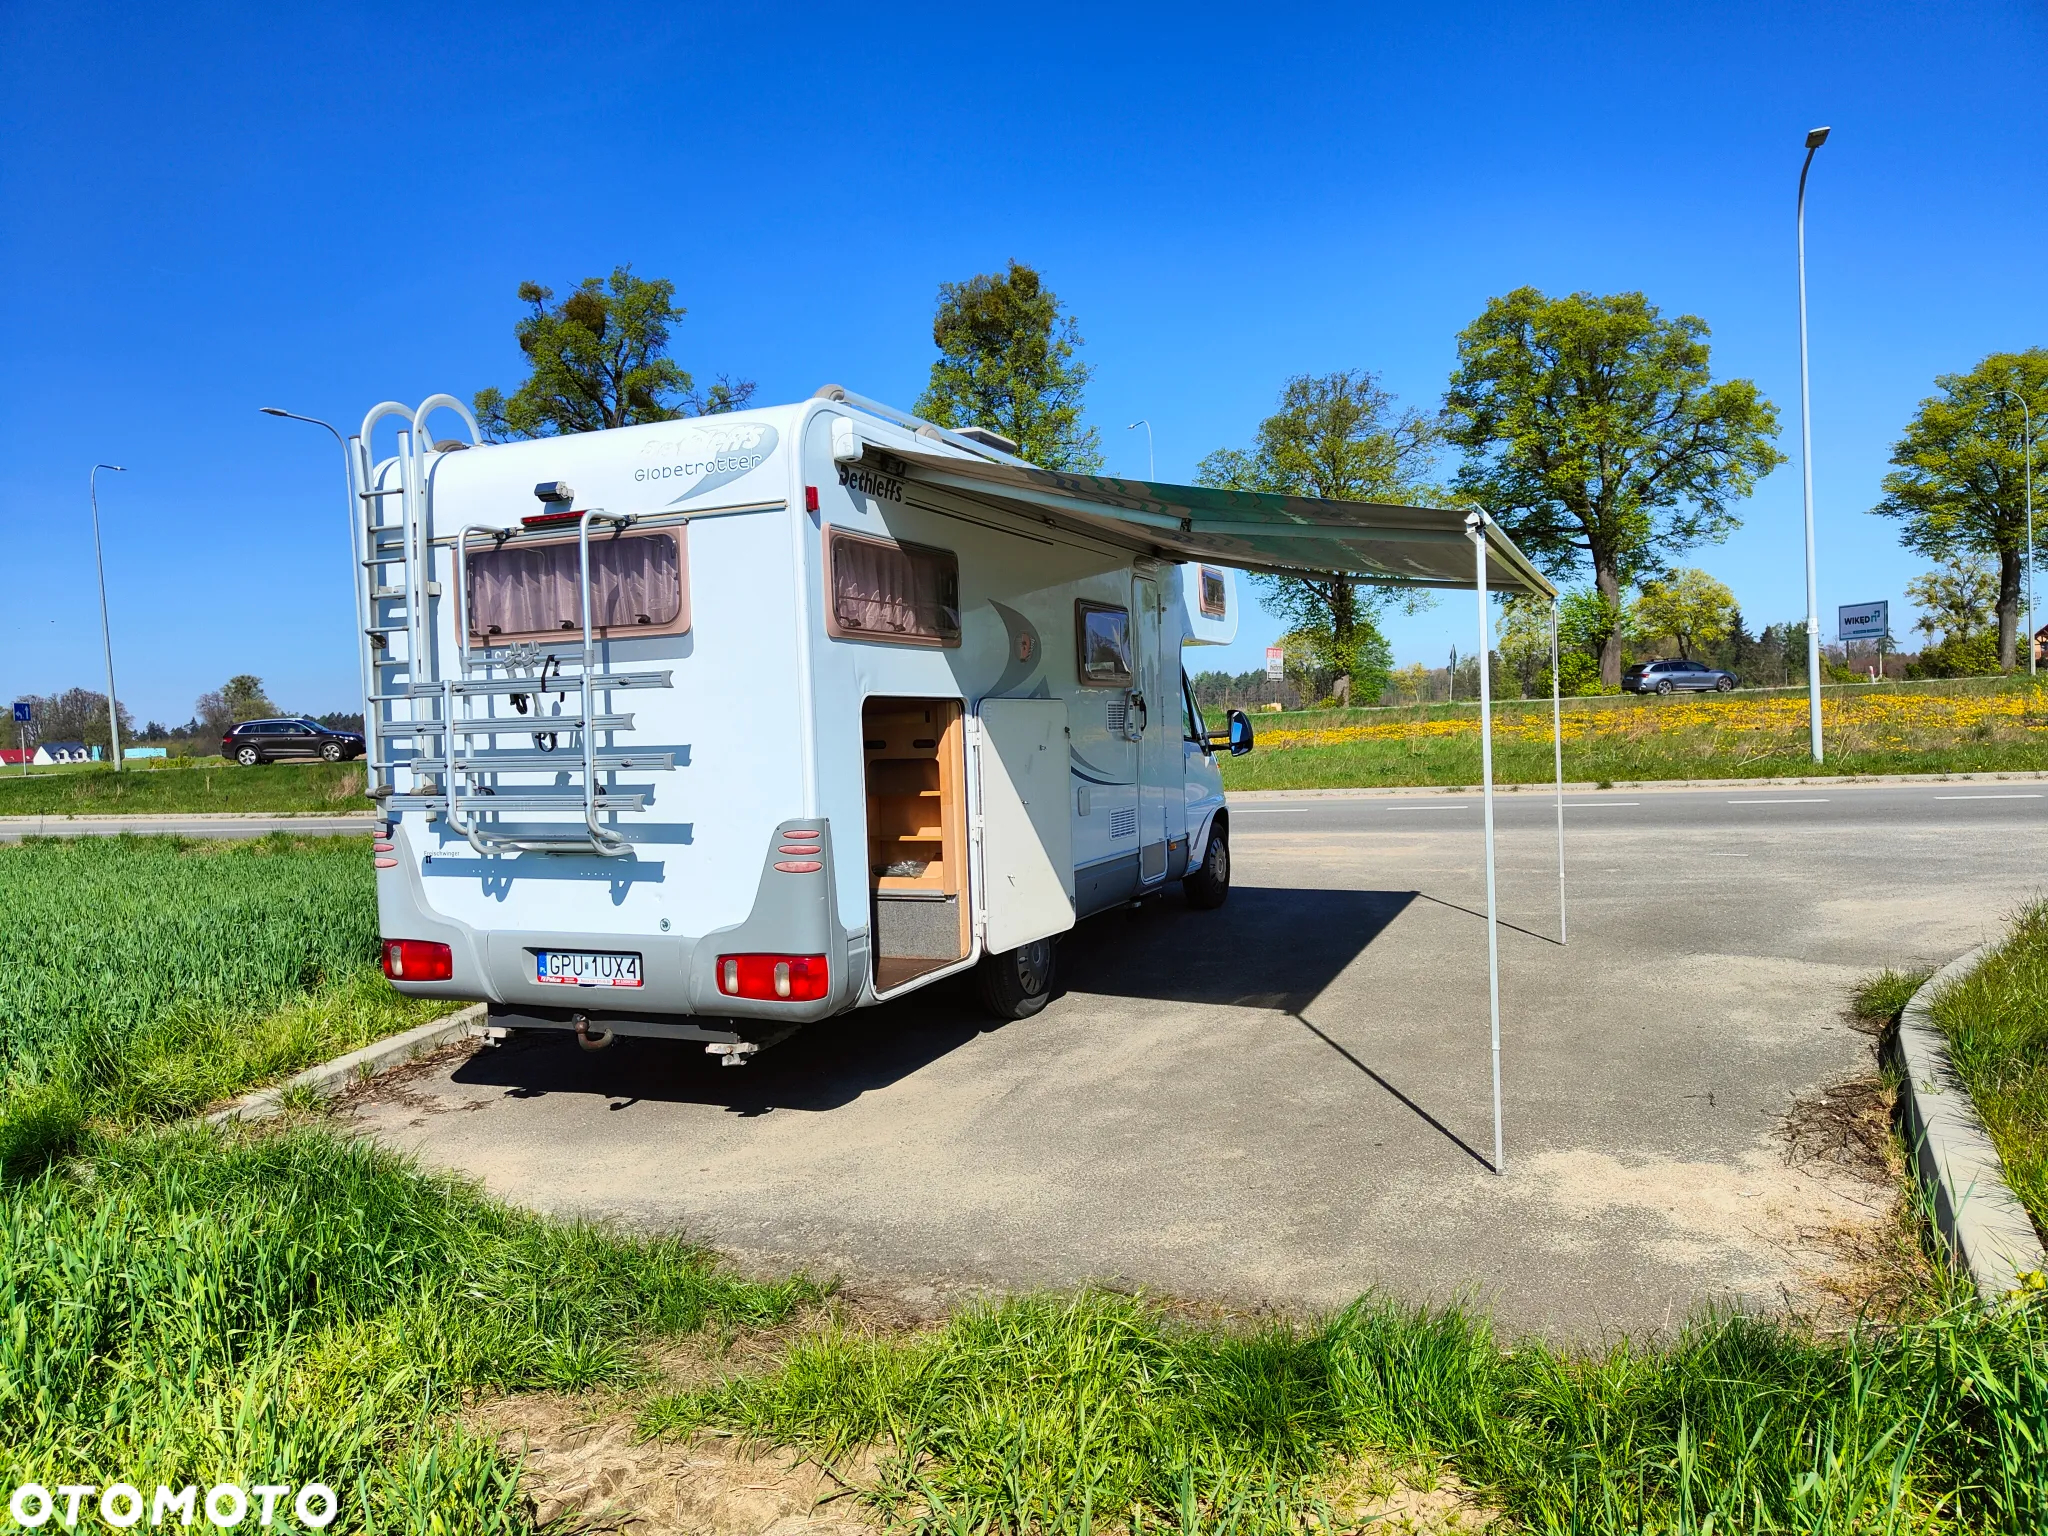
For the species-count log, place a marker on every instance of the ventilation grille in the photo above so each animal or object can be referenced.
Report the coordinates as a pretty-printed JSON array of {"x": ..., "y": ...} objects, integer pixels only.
[
  {"x": 1124, "y": 823},
  {"x": 1118, "y": 715}
]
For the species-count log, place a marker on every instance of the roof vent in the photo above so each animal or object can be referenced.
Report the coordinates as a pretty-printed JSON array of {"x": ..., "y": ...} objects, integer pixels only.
[{"x": 988, "y": 438}]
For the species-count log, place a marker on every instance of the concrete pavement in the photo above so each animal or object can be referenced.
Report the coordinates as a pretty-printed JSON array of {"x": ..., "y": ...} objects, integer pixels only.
[{"x": 1286, "y": 1101}]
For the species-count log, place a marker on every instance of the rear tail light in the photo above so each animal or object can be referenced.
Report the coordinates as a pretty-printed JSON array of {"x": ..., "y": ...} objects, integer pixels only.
[
  {"x": 418, "y": 960},
  {"x": 774, "y": 978}
]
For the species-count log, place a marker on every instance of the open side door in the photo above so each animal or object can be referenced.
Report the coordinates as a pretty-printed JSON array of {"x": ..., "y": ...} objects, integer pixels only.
[{"x": 1027, "y": 853}]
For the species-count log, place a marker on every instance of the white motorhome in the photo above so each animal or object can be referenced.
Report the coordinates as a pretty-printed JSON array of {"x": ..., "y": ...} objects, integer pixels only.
[{"x": 710, "y": 729}]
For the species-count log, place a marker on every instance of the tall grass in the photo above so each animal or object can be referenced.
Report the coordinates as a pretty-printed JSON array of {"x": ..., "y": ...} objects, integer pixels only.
[
  {"x": 1996, "y": 1021},
  {"x": 188, "y": 1306},
  {"x": 1050, "y": 1415},
  {"x": 142, "y": 978}
]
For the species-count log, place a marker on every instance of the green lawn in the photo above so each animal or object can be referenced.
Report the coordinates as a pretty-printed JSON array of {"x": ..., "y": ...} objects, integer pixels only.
[
  {"x": 1996, "y": 1020},
  {"x": 142, "y": 978},
  {"x": 208, "y": 785}
]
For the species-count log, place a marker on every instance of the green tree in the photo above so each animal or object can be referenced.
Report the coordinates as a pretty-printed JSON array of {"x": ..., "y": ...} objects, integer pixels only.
[
  {"x": 1688, "y": 605},
  {"x": 241, "y": 697},
  {"x": 600, "y": 359},
  {"x": 1339, "y": 437},
  {"x": 1956, "y": 600},
  {"x": 1960, "y": 484},
  {"x": 1594, "y": 433},
  {"x": 1007, "y": 361}
]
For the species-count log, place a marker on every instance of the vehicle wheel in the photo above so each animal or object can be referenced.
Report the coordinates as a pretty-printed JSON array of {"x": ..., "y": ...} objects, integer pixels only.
[
  {"x": 1723, "y": 684},
  {"x": 1206, "y": 885},
  {"x": 1665, "y": 686},
  {"x": 331, "y": 751},
  {"x": 248, "y": 757},
  {"x": 1016, "y": 983}
]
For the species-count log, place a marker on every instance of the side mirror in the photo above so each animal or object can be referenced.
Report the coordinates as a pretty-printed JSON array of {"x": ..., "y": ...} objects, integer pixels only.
[{"x": 1240, "y": 733}]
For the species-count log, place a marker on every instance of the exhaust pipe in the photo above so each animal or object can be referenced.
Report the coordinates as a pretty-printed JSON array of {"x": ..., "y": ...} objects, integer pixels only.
[{"x": 587, "y": 1040}]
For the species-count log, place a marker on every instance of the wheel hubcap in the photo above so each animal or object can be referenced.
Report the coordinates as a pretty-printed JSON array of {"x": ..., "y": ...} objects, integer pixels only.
[{"x": 1034, "y": 965}]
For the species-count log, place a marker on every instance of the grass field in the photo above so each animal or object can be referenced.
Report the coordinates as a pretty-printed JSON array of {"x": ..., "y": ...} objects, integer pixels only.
[
  {"x": 1996, "y": 1020},
  {"x": 1996, "y": 725},
  {"x": 212, "y": 785},
  {"x": 143, "y": 978}
]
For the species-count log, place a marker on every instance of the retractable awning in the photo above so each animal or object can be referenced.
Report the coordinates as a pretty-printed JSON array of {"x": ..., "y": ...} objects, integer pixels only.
[
  {"x": 1283, "y": 535},
  {"x": 1250, "y": 530}
]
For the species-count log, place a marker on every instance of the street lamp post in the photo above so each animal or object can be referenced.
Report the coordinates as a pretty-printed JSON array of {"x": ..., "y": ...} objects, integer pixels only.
[
  {"x": 1151, "y": 464},
  {"x": 2027, "y": 431},
  {"x": 1814, "y": 140},
  {"x": 106, "y": 632}
]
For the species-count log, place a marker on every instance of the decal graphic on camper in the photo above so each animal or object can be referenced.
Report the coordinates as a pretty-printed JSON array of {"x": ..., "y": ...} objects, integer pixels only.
[{"x": 708, "y": 455}]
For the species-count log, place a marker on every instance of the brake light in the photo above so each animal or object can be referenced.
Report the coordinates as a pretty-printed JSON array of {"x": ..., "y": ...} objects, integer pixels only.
[
  {"x": 774, "y": 978},
  {"x": 418, "y": 960},
  {"x": 549, "y": 519}
]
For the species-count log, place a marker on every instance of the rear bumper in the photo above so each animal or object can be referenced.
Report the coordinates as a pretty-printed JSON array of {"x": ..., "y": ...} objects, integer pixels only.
[{"x": 792, "y": 913}]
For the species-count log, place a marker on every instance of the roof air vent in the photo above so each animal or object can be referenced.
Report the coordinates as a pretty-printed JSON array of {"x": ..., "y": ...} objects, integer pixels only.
[{"x": 988, "y": 438}]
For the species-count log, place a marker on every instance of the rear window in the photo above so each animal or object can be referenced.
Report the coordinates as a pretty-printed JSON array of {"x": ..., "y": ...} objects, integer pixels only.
[{"x": 638, "y": 581}]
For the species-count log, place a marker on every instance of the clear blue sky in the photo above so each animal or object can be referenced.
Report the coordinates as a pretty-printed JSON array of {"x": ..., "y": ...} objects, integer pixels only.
[{"x": 207, "y": 209}]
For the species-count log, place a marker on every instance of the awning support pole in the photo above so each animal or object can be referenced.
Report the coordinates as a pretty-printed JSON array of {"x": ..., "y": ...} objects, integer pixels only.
[
  {"x": 1477, "y": 523},
  {"x": 1557, "y": 753}
]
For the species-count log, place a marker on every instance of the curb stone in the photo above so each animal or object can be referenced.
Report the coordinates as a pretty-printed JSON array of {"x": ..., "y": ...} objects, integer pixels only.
[
  {"x": 1974, "y": 1209},
  {"x": 331, "y": 1077},
  {"x": 1588, "y": 786}
]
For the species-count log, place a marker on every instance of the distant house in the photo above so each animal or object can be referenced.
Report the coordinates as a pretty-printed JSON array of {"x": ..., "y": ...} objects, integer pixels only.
[
  {"x": 51, "y": 752},
  {"x": 13, "y": 756}
]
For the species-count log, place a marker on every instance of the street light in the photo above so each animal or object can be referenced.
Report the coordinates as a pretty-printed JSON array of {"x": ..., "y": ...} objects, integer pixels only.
[
  {"x": 2027, "y": 430},
  {"x": 106, "y": 634},
  {"x": 1814, "y": 140},
  {"x": 1151, "y": 465}
]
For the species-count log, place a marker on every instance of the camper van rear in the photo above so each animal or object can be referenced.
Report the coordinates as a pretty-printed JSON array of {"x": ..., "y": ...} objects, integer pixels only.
[{"x": 712, "y": 728}]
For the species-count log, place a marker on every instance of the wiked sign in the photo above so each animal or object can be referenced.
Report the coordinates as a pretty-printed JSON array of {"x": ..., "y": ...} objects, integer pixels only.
[{"x": 1863, "y": 621}]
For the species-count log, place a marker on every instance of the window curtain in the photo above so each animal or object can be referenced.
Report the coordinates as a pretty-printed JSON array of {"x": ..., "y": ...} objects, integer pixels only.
[
  {"x": 894, "y": 592},
  {"x": 635, "y": 582}
]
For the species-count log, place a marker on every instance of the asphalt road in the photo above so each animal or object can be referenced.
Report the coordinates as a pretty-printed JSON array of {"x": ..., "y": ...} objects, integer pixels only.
[
  {"x": 1287, "y": 1101},
  {"x": 14, "y": 828}
]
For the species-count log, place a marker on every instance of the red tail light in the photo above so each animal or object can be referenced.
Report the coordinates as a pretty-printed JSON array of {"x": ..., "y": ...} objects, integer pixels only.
[
  {"x": 418, "y": 960},
  {"x": 774, "y": 978}
]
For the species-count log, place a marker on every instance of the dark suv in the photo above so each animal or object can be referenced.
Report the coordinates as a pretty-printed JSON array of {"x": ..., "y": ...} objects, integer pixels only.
[
  {"x": 264, "y": 741},
  {"x": 1671, "y": 676}
]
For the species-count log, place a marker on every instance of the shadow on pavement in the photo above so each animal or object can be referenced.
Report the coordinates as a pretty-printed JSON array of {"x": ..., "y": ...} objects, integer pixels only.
[{"x": 1267, "y": 947}]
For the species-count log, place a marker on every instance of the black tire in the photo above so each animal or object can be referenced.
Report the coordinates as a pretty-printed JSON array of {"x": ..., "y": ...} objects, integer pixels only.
[
  {"x": 248, "y": 757},
  {"x": 1723, "y": 684},
  {"x": 1664, "y": 687},
  {"x": 331, "y": 752},
  {"x": 1206, "y": 885},
  {"x": 1016, "y": 983}
]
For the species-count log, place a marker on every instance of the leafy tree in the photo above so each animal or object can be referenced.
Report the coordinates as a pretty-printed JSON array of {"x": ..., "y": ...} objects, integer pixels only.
[
  {"x": 1340, "y": 437},
  {"x": 1522, "y": 641},
  {"x": 1688, "y": 605},
  {"x": 1955, "y": 601},
  {"x": 241, "y": 697},
  {"x": 1006, "y": 361},
  {"x": 1594, "y": 433},
  {"x": 600, "y": 359},
  {"x": 1960, "y": 484},
  {"x": 76, "y": 714}
]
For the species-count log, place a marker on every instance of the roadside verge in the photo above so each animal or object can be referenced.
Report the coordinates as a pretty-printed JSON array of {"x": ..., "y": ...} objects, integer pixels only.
[
  {"x": 332, "y": 1077},
  {"x": 1972, "y": 1206}
]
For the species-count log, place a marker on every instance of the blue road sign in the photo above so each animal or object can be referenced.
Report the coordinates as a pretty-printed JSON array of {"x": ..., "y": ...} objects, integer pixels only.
[{"x": 23, "y": 710}]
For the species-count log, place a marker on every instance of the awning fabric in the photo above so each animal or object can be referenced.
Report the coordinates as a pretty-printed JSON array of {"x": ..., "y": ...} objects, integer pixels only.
[{"x": 1250, "y": 530}]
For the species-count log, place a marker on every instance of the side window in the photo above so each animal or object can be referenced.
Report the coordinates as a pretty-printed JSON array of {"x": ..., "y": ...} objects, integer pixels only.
[
  {"x": 1191, "y": 712},
  {"x": 882, "y": 590},
  {"x": 1214, "y": 592},
  {"x": 637, "y": 581},
  {"x": 1102, "y": 645}
]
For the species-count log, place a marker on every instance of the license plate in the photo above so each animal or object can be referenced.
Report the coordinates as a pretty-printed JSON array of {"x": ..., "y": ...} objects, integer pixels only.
[{"x": 585, "y": 968}]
